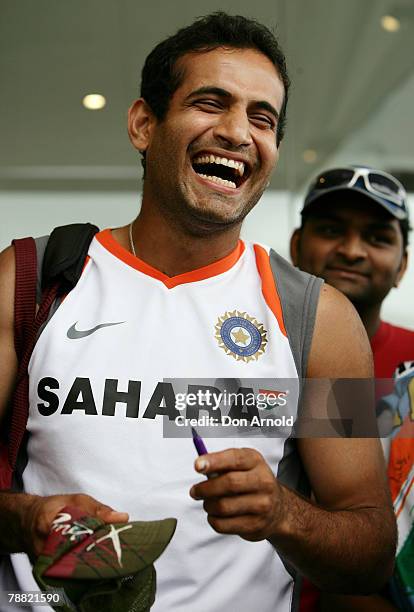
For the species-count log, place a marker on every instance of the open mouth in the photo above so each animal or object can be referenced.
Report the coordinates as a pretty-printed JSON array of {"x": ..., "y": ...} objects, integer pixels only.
[{"x": 221, "y": 170}]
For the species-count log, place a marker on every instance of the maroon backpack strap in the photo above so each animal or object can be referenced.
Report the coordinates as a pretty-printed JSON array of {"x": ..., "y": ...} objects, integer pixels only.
[
  {"x": 59, "y": 275},
  {"x": 25, "y": 292},
  {"x": 24, "y": 316},
  {"x": 21, "y": 393}
]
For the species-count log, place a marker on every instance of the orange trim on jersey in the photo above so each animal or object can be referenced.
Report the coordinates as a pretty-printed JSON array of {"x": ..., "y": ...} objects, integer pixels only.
[
  {"x": 269, "y": 288},
  {"x": 218, "y": 267}
]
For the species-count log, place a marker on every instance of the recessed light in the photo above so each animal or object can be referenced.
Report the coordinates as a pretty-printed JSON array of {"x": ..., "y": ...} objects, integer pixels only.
[
  {"x": 390, "y": 23},
  {"x": 94, "y": 101},
  {"x": 310, "y": 156}
]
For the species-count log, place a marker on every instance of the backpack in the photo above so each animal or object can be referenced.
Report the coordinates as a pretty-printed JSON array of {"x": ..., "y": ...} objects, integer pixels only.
[{"x": 62, "y": 255}]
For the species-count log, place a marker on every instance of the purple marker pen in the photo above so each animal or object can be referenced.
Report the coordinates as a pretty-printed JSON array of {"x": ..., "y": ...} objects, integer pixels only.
[
  {"x": 201, "y": 448},
  {"x": 199, "y": 443}
]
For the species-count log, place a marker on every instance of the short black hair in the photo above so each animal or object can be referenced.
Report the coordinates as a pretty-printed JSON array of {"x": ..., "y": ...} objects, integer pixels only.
[{"x": 161, "y": 78}]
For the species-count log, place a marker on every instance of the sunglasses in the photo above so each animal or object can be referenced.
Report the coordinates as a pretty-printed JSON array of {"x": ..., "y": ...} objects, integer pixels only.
[{"x": 378, "y": 183}]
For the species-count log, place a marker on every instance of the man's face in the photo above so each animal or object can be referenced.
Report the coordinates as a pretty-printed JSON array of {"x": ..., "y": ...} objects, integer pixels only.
[
  {"x": 209, "y": 160},
  {"x": 353, "y": 244}
]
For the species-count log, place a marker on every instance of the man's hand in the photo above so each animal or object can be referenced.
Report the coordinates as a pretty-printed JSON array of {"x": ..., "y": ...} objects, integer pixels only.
[
  {"x": 243, "y": 497},
  {"x": 39, "y": 513}
]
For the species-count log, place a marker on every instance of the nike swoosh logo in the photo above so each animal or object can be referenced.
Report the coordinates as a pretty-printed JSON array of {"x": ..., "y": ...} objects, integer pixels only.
[{"x": 75, "y": 334}]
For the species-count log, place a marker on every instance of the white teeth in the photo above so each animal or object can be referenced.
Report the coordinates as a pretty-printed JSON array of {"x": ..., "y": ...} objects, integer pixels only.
[
  {"x": 218, "y": 180},
  {"x": 213, "y": 159}
]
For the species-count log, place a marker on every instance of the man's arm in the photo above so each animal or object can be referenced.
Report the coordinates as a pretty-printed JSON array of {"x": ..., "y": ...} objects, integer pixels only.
[
  {"x": 344, "y": 542},
  {"x": 8, "y": 359},
  {"x": 342, "y": 603},
  {"x": 28, "y": 517}
]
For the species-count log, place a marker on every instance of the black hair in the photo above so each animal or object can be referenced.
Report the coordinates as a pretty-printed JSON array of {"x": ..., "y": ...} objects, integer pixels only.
[{"x": 161, "y": 78}]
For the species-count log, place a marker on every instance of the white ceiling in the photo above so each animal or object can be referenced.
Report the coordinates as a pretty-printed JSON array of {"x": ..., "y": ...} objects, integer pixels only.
[{"x": 352, "y": 95}]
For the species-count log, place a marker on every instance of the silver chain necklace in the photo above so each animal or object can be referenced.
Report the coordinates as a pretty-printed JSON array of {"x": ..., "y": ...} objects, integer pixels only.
[{"x": 131, "y": 241}]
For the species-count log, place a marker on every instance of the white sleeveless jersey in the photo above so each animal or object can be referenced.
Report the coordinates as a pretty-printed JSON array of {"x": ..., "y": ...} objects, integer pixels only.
[{"x": 98, "y": 398}]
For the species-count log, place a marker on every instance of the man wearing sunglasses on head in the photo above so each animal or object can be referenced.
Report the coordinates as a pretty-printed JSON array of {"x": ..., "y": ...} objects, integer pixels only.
[{"x": 354, "y": 234}]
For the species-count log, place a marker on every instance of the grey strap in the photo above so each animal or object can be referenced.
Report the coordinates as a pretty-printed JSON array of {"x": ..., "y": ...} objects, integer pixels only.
[
  {"x": 299, "y": 296},
  {"x": 40, "y": 250}
]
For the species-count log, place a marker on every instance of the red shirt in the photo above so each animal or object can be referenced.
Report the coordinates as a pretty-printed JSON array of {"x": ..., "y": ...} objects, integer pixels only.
[{"x": 390, "y": 346}]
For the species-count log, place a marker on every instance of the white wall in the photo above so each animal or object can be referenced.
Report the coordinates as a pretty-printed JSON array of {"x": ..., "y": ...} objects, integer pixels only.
[
  {"x": 271, "y": 222},
  {"x": 36, "y": 213}
]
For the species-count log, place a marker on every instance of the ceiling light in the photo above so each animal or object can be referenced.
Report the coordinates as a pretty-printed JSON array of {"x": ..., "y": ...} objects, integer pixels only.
[
  {"x": 94, "y": 101},
  {"x": 390, "y": 23},
  {"x": 310, "y": 156}
]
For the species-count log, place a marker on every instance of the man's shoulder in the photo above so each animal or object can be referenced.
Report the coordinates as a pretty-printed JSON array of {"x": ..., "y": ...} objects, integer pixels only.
[
  {"x": 340, "y": 347},
  {"x": 7, "y": 274}
]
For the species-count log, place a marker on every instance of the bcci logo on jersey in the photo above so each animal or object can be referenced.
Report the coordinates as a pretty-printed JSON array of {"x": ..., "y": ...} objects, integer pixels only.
[{"x": 241, "y": 336}]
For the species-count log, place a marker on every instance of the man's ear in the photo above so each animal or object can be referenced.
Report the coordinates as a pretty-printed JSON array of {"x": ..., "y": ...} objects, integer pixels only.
[
  {"x": 141, "y": 121},
  {"x": 294, "y": 247},
  {"x": 402, "y": 269}
]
